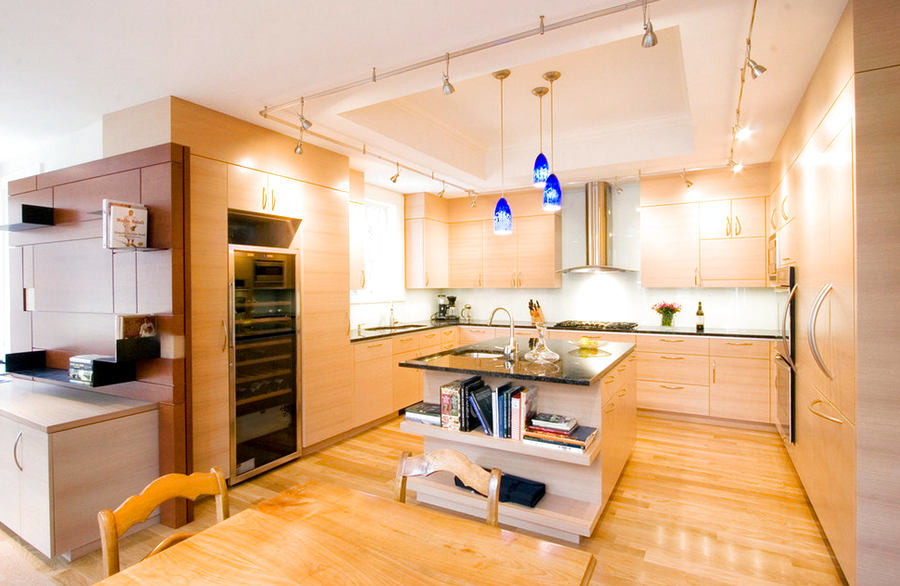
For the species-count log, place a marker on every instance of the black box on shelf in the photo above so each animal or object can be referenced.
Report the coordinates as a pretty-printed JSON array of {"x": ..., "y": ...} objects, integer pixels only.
[{"x": 96, "y": 371}]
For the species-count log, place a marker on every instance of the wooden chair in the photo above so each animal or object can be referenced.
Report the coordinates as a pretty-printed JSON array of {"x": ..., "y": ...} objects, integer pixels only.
[
  {"x": 137, "y": 508},
  {"x": 473, "y": 476}
]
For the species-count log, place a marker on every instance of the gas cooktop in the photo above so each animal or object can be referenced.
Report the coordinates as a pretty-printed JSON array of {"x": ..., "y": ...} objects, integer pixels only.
[{"x": 621, "y": 326}]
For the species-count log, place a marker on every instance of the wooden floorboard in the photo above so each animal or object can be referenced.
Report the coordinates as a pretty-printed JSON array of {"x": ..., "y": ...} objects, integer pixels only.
[{"x": 696, "y": 504}]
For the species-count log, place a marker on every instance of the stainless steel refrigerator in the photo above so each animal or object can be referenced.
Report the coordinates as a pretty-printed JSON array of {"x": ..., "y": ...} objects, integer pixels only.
[{"x": 264, "y": 367}]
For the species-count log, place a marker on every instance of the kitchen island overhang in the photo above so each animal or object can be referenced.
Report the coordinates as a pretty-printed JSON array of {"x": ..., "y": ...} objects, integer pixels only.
[{"x": 597, "y": 386}]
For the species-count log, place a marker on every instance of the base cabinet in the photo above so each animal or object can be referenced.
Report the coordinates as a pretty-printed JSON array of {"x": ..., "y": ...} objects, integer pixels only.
[
  {"x": 739, "y": 388},
  {"x": 372, "y": 389}
]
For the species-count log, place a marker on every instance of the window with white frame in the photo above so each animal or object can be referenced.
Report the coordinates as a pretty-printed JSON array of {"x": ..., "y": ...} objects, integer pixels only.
[{"x": 383, "y": 247}]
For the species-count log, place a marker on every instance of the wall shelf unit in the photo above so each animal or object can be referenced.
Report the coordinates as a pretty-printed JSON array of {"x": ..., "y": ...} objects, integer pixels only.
[{"x": 33, "y": 217}]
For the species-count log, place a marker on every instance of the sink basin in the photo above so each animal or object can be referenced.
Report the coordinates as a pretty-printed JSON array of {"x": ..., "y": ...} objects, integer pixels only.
[
  {"x": 382, "y": 328},
  {"x": 480, "y": 353}
]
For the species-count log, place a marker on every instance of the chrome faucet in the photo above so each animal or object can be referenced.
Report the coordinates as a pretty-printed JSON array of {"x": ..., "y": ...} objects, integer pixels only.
[
  {"x": 392, "y": 322},
  {"x": 512, "y": 349}
]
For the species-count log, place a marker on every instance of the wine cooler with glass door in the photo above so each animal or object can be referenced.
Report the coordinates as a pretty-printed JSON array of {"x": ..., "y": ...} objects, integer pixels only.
[{"x": 265, "y": 373}]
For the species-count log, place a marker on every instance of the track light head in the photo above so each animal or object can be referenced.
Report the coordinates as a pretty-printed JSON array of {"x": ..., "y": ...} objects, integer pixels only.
[
  {"x": 736, "y": 167},
  {"x": 742, "y": 133},
  {"x": 649, "y": 39},
  {"x": 298, "y": 150},
  {"x": 396, "y": 175},
  {"x": 447, "y": 88},
  {"x": 755, "y": 68},
  {"x": 687, "y": 182},
  {"x": 305, "y": 123},
  {"x": 443, "y": 189}
]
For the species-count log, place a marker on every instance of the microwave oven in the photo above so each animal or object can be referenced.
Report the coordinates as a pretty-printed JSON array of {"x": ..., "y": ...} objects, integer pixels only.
[{"x": 269, "y": 273}]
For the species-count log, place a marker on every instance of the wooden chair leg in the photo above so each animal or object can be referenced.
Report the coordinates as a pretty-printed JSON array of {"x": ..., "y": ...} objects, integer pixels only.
[{"x": 109, "y": 541}]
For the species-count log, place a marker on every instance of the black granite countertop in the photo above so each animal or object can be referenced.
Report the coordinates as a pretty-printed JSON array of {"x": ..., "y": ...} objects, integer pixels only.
[
  {"x": 420, "y": 326},
  {"x": 576, "y": 366}
]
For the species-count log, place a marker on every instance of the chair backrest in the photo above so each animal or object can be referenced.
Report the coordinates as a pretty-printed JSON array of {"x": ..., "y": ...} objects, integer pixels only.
[
  {"x": 472, "y": 475},
  {"x": 136, "y": 509}
]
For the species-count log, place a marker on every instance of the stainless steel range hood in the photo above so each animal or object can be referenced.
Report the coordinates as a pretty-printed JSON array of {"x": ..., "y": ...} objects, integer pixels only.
[{"x": 608, "y": 233}]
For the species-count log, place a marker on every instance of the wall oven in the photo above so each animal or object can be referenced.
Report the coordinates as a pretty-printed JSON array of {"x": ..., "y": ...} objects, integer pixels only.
[{"x": 786, "y": 286}]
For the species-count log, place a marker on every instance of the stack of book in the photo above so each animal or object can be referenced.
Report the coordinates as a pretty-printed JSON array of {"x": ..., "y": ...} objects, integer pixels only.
[
  {"x": 471, "y": 405},
  {"x": 559, "y": 432},
  {"x": 422, "y": 412}
]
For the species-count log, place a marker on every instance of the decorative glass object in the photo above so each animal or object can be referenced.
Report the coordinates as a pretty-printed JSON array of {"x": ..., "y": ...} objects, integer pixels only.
[
  {"x": 667, "y": 311},
  {"x": 540, "y": 352},
  {"x": 502, "y": 218},
  {"x": 552, "y": 194},
  {"x": 541, "y": 170}
]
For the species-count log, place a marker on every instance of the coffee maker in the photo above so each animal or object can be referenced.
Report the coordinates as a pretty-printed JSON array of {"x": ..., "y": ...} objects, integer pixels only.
[
  {"x": 446, "y": 309},
  {"x": 443, "y": 305}
]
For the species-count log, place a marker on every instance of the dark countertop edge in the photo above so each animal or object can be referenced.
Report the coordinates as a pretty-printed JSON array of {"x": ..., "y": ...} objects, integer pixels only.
[
  {"x": 675, "y": 331},
  {"x": 416, "y": 363}
]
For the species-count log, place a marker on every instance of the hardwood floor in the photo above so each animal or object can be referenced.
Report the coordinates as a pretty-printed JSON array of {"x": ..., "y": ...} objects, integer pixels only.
[{"x": 697, "y": 504}]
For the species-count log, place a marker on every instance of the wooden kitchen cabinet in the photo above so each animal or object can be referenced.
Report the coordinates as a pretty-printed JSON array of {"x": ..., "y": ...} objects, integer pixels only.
[
  {"x": 500, "y": 253},
  {"x": 474, "y": 334},
  {"x": 670, "y": 251},
  {"x": 737, "y": 218},
  {"x": 539, "y": 251},
  {"x": 733, "y": 262},
  {"x": 739, "y": 388},
  {"x": 373, "y": 395},
  {"x": 466, "y": 252},
  {"x": 357, "y": 216},
  {"x": 407, "y": 382},
  {"x": 264, "y": 193},
  {"x": 427, "y": 264}
]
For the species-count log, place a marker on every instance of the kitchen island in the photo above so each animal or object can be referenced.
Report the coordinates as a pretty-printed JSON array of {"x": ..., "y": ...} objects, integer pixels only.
[{"x": 594, "y": 385}]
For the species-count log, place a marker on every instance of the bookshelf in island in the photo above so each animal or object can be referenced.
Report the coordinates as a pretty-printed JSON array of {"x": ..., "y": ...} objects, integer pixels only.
[{"x": 595, "y": 386}]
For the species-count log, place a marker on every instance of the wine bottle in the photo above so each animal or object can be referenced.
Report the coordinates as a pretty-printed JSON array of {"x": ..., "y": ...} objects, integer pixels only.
[{"x": 699, "y": 316}]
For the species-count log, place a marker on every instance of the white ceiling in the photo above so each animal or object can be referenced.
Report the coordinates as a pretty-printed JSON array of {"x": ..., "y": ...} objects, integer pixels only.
[{"x": 619, "y": 108}]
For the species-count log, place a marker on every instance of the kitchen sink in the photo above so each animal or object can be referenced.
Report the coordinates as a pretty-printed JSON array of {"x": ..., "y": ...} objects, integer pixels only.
[{"x": 382, "y": 328}]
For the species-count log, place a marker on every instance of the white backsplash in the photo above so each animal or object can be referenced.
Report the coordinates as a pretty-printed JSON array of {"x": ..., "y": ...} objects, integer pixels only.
[{"x": 415, "y": 305}]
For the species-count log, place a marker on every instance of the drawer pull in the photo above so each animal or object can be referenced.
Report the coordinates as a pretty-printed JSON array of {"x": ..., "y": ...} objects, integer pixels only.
[
  {"x": 610, "y": 379},
  {"x": 15, "y": 451},
  {"x": 670, "y": 341},
  {"x": 672, "y": 387},
  {"x": 810, "y": 407},
  {"x": 375, "y": 345},
  {"x": 406, "y": 339},
  {"x": 611, "y": 408},
  {"x": 622, "y": 392},
  {"x": 672, "y": 357},
  {"x": 739, "y": 343}
]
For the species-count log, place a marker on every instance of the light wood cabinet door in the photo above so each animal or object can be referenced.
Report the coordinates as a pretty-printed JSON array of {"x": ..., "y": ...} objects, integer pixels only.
[
  {"x": 407, "y": 382},
  {"x": 500, "y": 253},
  {"x": 284, "y": 197},
  {"x": 675, "y": 368},
  {"x": 748, "y": 217},
  {"x": 248, "y": 189},
  {"x": 9, "y": 473},
  {"x": 415, "y": 253},
  {"x": 373, "y": 393},
  {"x": 674, "y": 397},
  {"x": 34, "y": 485},
  {"x": 208, "y": 312},
  {"x": 473, "y": 335},
  {"x": 466, "y": 254},
  {"x": 670, "y": 251},
  {"x": 436, "y": 266},
  {"x": 739, "y": 388},
  {"x": 733, "y": 262},
  {"x": 715, "y": 219},
  {"x": 357, "y": 245},
  {"x": 539, "y": 252}
]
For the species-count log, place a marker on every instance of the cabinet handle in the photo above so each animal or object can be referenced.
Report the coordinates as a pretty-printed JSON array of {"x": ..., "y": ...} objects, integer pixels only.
[
  {"x": 811, "y": 328},
  {"x": 480, "y": 280},
  {"x": 670, "y": 341},
  {"x": 739, "y": 343},
  {"x": 264, "y": 198},
  {"x": 375, "y": 345},
  {"x": 520, "y": 279},
  {"x": 611, "y": 378},
  {"x": 672, "y": 357},
  {"x": 784, "y": 213},
  {"x": 406, "y": 339},
  {"x": 737, "y": 223},
  {"x": 622, "y": 393},
  {"x": 224, "y": 336},
  {"x": 426, "y": 278},
  {"x": 772, "y": 218},
  {"x": 16, "y": 449},
  {"x": 786, "y": 258},
  {"x": 672, "y": 387},
  {"x": 810, "y": 407},
  {"x": 348, "y": 323},
  {"x": 273, "y": 200},
  {"x": 363, "y": 285},
  {"x": 514, "y": 279},
  {"x": 728, "y": 226},
  {"x": 714, "y": 371},
  {"x": 611, "y": 408},
  {"x": 696, "y": 278}
]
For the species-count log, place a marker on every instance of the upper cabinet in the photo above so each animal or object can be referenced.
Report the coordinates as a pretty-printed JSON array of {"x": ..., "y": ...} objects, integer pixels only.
[
  {"x": 466, "y": 241},
  {"x": 264, "y": 193},
  {"x": 357, "y": 230},
  {"x": 427, "y": 240},
  {"x": 712, "y": 234}
]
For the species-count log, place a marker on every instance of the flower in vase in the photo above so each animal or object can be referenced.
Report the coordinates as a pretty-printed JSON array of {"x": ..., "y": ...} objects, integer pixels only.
[{"x": 667, "y": 311}]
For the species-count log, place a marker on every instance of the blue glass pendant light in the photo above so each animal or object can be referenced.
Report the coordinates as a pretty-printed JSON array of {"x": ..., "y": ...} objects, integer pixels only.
[
  {"x": 502, "y": 218},
  {"x": 541, "y": 170},
  {"x": 502, "y": 213},
  {"x": 552, "y": 190},
  {"x": 552, "y": 194}
]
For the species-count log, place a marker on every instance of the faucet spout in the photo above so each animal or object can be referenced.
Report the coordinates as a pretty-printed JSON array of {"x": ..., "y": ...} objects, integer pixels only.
[{"x": 511, "y": 350}]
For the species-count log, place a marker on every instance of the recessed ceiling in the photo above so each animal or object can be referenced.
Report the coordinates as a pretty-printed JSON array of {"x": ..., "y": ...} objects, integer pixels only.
[{"x": 620, "y": 108}]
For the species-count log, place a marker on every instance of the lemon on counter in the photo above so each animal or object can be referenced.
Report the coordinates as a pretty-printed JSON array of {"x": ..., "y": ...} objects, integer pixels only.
[{"x": 587, "y": 342}]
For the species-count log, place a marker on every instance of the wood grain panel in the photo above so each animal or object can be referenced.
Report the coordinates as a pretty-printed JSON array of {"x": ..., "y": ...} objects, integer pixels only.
[
  {"x": 406, "y": 382},
  {"x": 875, "y": 43},
  {"x": 162, "y": 191},
  {"x": 698, "y": 345},
  {"x": 753, "y": 181},
  {"x": 19, "y": 319},
  {"x": 739, "y": 388},
  {"x": 742, "y": 259},
  {"x": 425, "y": 205},
  {"x": 738, "y": 347},
  {"x": 17, "y": 186},
  {"x": 404, "y": 343},
  {"x": 363, "y": 350},
  {"x": 499, "y": 257},
  {"x": 674, "y": 397},
  {"x": 577, "y": 335},
  {"x": 125, "y": 283},
  {"x": 160, "y": 287},
  {"x": 748, "y": 217},
  {"x": 373, "y": 394},
  {"x": 174, "y": 457},
  {"x": 676, "y": 368},
  {"x": 73, "y": 277},
  {"x": 147, "y": 157},
  {"x": 539, "y": 251},
  {"x": 75, "y": 333},
  {"x": 522, "y": 203},
  {"x": 75, "y": 202},
  {"x": 59, "y": 233},
  {"x": 877, "y": 282},
  {"x": 466, "y": 252},
  {"x": 670, "y": 254},
  {"x": 43, "y": 197}
]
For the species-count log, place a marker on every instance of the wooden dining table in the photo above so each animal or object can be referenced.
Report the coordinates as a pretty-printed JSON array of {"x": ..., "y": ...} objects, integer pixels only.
[{"x": 319, "y": 533}]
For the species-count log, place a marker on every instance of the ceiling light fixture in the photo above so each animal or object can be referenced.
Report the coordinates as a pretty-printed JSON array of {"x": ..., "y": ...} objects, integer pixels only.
[
  {"x": 502, "y": 213},
  {"x": 649, "y": 39},
  {"x": 443, "y": 188},
  {"x": 474, "y": 197},
  {"x": 687, "y": 182},
  {"x": 738, "y": 132},
  {"x": 298, "y": 150},
  {"x": 552, "y": 189},
  {"x": 396, "y": 175},
  {"x": 541, "y": 166},
  {"x": 304, "y": 122},
  {"x": 447, "y": 88}
]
